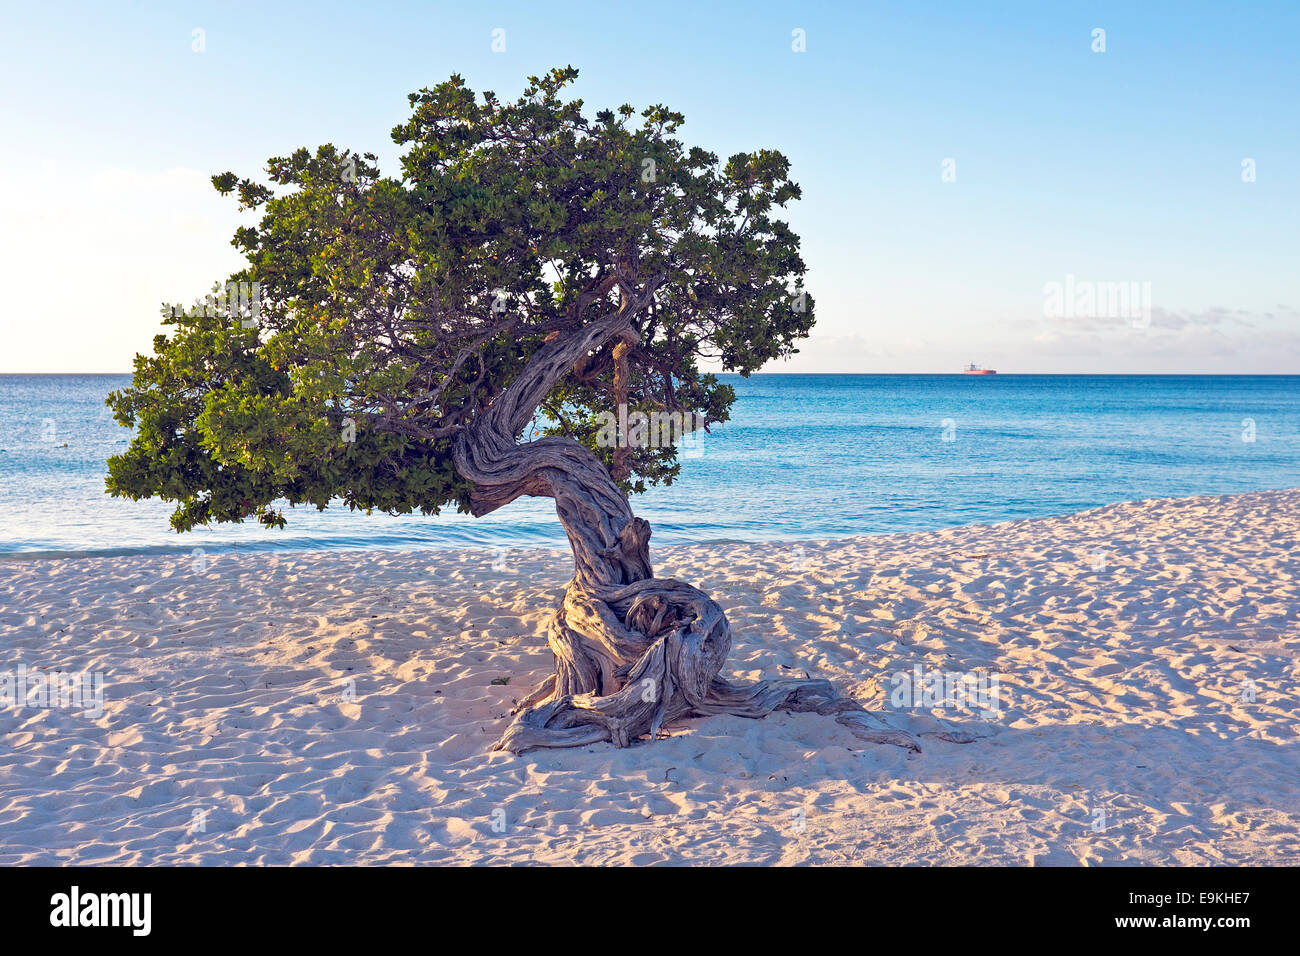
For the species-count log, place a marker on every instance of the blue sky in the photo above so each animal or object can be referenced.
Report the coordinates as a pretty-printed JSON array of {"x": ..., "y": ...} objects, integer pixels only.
[{"x": 1123, "y": 166}]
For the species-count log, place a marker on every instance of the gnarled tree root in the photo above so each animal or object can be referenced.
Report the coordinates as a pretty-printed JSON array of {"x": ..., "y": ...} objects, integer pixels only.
[
  {"x": 632, "y": 651},
  {"x": 633, "y": 658}
]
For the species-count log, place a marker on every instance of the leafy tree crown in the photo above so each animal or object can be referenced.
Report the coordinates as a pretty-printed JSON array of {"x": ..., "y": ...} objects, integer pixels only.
[{"x": 390, "y": 312}]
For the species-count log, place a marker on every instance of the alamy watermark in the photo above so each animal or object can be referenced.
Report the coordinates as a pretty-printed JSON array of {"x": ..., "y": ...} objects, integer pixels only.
[
  {"x": 238, "y": 301},
  {"x": 970, "y": 690},
  {"x": 1074, "y": 299},
  {"x": 129, "y": 910},
  {"x": 63, "y": 690},
  {"x": 638, "y": 429}
]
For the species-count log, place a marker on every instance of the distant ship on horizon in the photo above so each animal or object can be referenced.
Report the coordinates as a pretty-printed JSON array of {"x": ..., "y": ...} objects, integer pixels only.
[{"x": 973, "y": 369}]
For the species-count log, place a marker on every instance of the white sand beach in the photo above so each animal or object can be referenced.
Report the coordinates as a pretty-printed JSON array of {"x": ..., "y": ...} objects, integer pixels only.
[{"x": 1145, "y": 653}]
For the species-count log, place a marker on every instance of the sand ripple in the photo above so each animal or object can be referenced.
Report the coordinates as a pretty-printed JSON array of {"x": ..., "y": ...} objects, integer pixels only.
[{"x": 337, "y": 707}]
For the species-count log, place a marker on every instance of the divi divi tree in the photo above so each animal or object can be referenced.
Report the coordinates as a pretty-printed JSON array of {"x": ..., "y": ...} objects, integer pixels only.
[{"x": 463, "y": 334}]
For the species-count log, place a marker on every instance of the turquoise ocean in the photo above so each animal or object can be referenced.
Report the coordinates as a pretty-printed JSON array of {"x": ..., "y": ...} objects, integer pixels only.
[{"x": 804, "y": 457}]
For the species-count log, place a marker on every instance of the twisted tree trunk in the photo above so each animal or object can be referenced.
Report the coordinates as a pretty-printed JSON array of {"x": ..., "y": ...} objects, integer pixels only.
[{"x": 632, "y": 651}]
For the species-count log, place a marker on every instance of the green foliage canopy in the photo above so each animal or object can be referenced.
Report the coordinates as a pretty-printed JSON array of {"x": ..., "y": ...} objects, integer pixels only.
[{"x": 406, "y": 305}]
